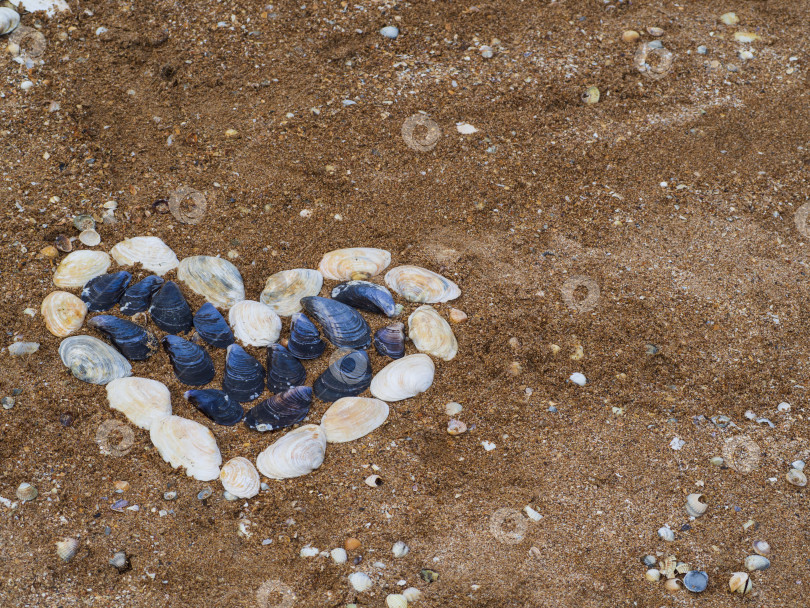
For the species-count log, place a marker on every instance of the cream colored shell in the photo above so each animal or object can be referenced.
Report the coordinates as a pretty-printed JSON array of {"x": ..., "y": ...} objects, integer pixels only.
[
  {"x": 403, "y": 378},
  {"x": 215, "y": 279},
  {"x": 141, "y": 400},
  {"x": 284, "y": 290},
  {"x": 148, "y": 251},
  {"x": 298, "y": 453},
  {"x": 79, "y": 267},
  {"x": 91, "y": 360},
  {"x": 240, "y": 478},
  {"x": 63, "y": 313},
  {"x": 254, "y": 323},
  {"x": 188, "y": 444},
  {"x": 431, "y": 334},
  {"x": 9, "y": 20},
  {"x": 358, "y": 263},
  {"x": 350, "y": 418},
  {"x": 417, "y": 284}
]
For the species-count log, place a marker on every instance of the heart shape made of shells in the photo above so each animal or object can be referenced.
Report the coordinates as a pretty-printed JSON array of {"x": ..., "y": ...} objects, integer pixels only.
[{"x": 290, "y": 293}]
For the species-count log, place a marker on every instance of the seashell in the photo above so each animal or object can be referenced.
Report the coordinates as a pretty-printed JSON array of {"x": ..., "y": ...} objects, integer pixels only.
[
  {"x": 412, "y": 594},
  {"x": 254, "y": 323},
  {"x": 63, "y": 243},
  {"x": 67, "y": 548},
  {"x": 669, "y": 566},
  {"x": 91, "y": 360},
  {"x": 240, "y": 478},
  {"x": 348, "y": 375},
  {"x": 403, "y": 378},
  {"x": 283, "y": 370},
  {"x": 373, "y": 481},
  {"x": 653, "y": 575},
  {"x": 63, "y": 313},
  {"x": 215, "y": 279},
  {"x": 84, "y": 222},
  {"x": 390, "y": 341},
  {"x": 400, "y": 549},
  {"x": 456, "y": 427},
  {"x": 360, "y": 581},
  {"x": 284, "y": 290},
  {"x": 351, "y": 418},
  {"x": 457, "y": 316},
  {"x": 191, "y": 363},
  {"x": 396, "y": 600},
  {"x": 352, "y": 544},
  {"x": 9, "y": 20},
  {"x": 137, "y": 297},
  {"x": 305, "y": 339},
  {"x": 339, "y": 555},
  {"x": 212, "y": 327},
  {"x": 149, "y": 251},
  {"x": 169, "y": 309},
  {"x": 217, "y": 405},
  {"x": 26, "y": 492},
  {"x": 796, "y": 477},
  {"x": 354, "y": 263},
  {"x": 89, "y": 237},
  {"x": 694, "y": 507},
  {"x": 666, "y": 533},
  {"x": 431, "y": 334},
  {"x": 299, "y": 452},
  {"x": 696, "y": 581},
  {"x": 757, "y": 562},
  {"x": 141, "y": 400},
  {"x": 134, "y": 342},
  {"x": 120, "y": 562},
  {"x": 280, "y": 411},
  {"x": 342, "y": 325},
  {"x": 243, "y": 379},
  {"x": 417, "y": 284},
  {"x": 673, "y": 584},
  {"x": 740, "y": 583},
  {"x": 366, "y": 296},
  {"x": 79, "y": 267},
  {"x": 761, "y": 547},
  {"x": 103, "y": 292},
  {"x": 742, "y": 453},
  {"x": 188, "y": 444}
]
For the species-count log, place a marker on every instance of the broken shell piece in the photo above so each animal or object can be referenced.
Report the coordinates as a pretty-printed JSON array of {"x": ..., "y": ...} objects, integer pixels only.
[
  {"x": 79, "y": 267},
  {"x": 355, "y": 263},
  {"x": 456, "y": 427},
  {"x": 694, "y": 507},
  {"x": 240, "y": 478},
  {"x": 457, "y": 316},
  {"x": 91, "y": 360},
  {"x": 412, "y": 594},
  {"x": 796, "y": 477},
  {"x": 400, "y": 549},
  {"x": 403, "y": 378},
  {"x": 188, "y": 444},
  {"x": 396, "y": 600},
  {"x": 373, "y": 481},
  {"x": 431, "y": 334},
  {"x": 284, "y": 290},
  {"x": 350, "y": 418},
  {"x": 141, "y": 400},
  {"x": 63, "y": 313},
  {"x": 417, "y": 284},
  {"x": 757, "y": 562},
  {"x": 67, "y": 548},
  {"x": 665, "y": 533},
  {"x": 254, "y": 323},
  {"x": 673, "y": 584},
  {"x": 740, "y": 583},
  {"x": 149, "y": 251},
  {"x": 360, "y": 581},
  {"x": 215, "y": 279},
  {"x": 298, "y": 453}
]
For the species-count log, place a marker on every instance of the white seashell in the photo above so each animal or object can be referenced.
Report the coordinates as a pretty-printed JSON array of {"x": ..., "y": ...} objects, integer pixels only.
[
  {"x": 757, "y": 562},
  {"x": 284, "y": 290},
  {"x": 298, "y": 453},
  {"x": 149, "y": 251},
  {"x": 240, "y": 478},
  {"x": 653, "y": 575},
  {"x": 373, "y": 481},
  {"x": 452, "y": 408},
  {"x": 215, "y": 279},
  {"x": 79, "y": 267},
  {"x": 532, "y": 514},
  {"x": 355, "y": 263},
  {"x": 396, "y": 600},
  {"x": 431, "y": 334},
  {"x": 254, "y": 323},
  {"x": 360, "y": 581},
  {"x": 91, "y": 360},
  {"x": 761, "y": 547},
  {"x": 412, "y": 594},
  {"x": 63, "y": 313},
  {"x": 740, "y": 583},
  {"x": 666, "y": 533},
  {"x": 308, "y": 551},
  {"x": 673, "y": 584},
  {"x": 18, "y": 349},
  {"x": 141, "y": 400},
  {"x": 403, "y": 378},
  {"x": 67, "y": 548},
  {"x": 339, "y": 555},
  {"x": 89, "y": 237},
  {"x": 26, "y": 492},
  {"x": 188, "y": 444},
  {"x": 9, "y": 20},
  {"x": 694, "y": 507},
  {"x": 350, "y": 418},
  {"x": 417, "y": 284},
  {"x": 400, "y": 549},
  {"x": 796, "y": 477}
]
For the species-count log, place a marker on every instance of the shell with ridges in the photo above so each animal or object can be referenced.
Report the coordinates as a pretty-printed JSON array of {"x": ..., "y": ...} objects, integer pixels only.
[
  {"x": 243, "y": 378},
  {"x": 137, "y": 297},
  {"x": 694, "y": 507},
  {"x": 217, "y": 405},
  {"x": 417, "y": 284},
  {"x": 350, "y": 418},
  {"x": 348, "y": 375},
  {"x": 404, "y": 378},
  {"x": 240, "y": 478},
  {"x": 63, "y": 313},
  {"x": 149, "y": 251},
  {"x": 91, "y": 360},
  {"x": 280, "y": 411},
  {"x": 305, "y": 340},
  {"x": 141, "y": 400},
  {"x": 67, "y": 548},
  {"x": 396, "y": 600},
  {"x": 299, "y": 452},
  {"x": 342, "y": 325},
  {"x": 283, "y": 370},
  {"x": 366, "y": 296},
  {"x": 132, "y": 340},
  {"x": 431, "y": 334},
  {"x": 212, "y": 327},
  {"x": 284, "y": 290},
  {"x": 254, "y": 323},
  {"x": 354, "y": 263},
  {"x": 79, "y": 267},
  {"x": 188, "y": 444},
  {"x": 215, "y": 279},
  {"x": 9, "y": 20},
  {"x": 740, "y": 583},
  {"x": 169, "y": 309},
  {"x": 104, "y": 291},
  {"x": 389, "y": 341},
  {"x": 192, "y": 364}
]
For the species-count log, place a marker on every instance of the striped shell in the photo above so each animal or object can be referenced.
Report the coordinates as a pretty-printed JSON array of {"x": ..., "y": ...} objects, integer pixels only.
[
  {"x": 215, "y": 279},
  {"x": 431, "y": 334},
  {"x": 298, "y": 453},
  {"x": 141, "y": 400},
  {"x": 284, "y": 290},
  {"x": 403, "y": 378},
  {"x": 79, "y": 267},
  {"x": 149, "y": 251},
  {"x": 350, "y": 418},
  {"x": 63, "y": 313},
  {"x": 184, "y": 443},
  {"x": 354, "y": 263},
  {"x": 417, "y": 284},
  {"x": 240, "y": 478},
  {"x": 9, "y": 20},
  {"x": 91, "y": 360},
  {"x": 254, "y": 323}
]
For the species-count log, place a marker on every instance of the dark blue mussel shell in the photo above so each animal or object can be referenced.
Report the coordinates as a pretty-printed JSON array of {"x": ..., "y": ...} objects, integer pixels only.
[
  {"x": 138, "y": 296},
  {"x": 191, "y": 363},
  {"x": 342, "y": 325},
  {"x": 390, "y": 341},
  {"x": 283, "y": 370},
  {"x": 347, "y": 376},
  {"x": 134, "y": 342},
  {"x": 216, "y": 405},
  {"x": 282, "y": 410},
  {"x": 169, "y": 309},
  {"x": 243, "y": 379},
  {"x": 305, "y": 339},
  {"x": 103, "y": 292},
  {"x": 366, "y": 296},
  {"x": 212, "y": 327}
]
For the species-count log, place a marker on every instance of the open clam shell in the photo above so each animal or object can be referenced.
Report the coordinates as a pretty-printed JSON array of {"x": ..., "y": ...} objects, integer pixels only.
[
  {"x": 91, "y": 360},
  {"x": 79, "y": 267},
  {"x": 217, "y": 405},
  {"x": 305, "y": 339},
  {"x": 354, "y": 263},
  {"x": 9, "y": 20},
  {"x": 212, "y": 327},
  {"x": 104, "y": 291},
  {"x": 417, "y": 284},
  {"x": 215, "y": 279},
  {"x": 284, "y": 290},
  {"x": 404, "y": 378},
  {"x": 141, "y": 400},
  {"x": 348, "y": 375},
  {"x": 191, "y": 362},
  {"x": 254, "y": 323},
  {"x": 169, "y": 309},
  {"x": 390, "y": 341},
  {"x": 299, "y": 452},
  {"x": 188, "y": 444},
  {"x": 243, "y": 379},
  {"x": 350, "y": 418},
  {"x": 134, "y": 342},
  {"x": 280, "y": 411},
  {"x": 366, "y": 296},
  {"x": 137, "y": 297},
  {"x": 283, "y": 370},
  {"x": 431, "y": 334},
  {"x": 63, "y": 313},
  {"x": 149, "y": 251},
  {"x": 342, "y": 325},
  {"x": 240, "y": 478}
]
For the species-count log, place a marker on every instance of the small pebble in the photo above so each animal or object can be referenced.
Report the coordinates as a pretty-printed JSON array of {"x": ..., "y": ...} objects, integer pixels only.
[
  {"x": 267, "y": 541},
  {"x": 389, "y": 31},
  {"x": 18, "y": 349},
  {"x": 231, "y": 134},
  {"x": 121, "y": 486},
  {"x": 630, "y": 36},
  {"x": 655, "y": 44},
  {"x": 452, "y": 408},
  {"x": 228, "y": 496},
  {"x": 26, "y": 84},
  {"x": 552, "y": 409},
  {"x": 400, "y": 549},
  {"x": 732, "y": 68},
  {"x": 339, "y": 555},
  {"x": 578, "y": 379},
  {"x": 306, "y": 213},
  {"x": 49, "y": 252},
  {"x": 783, "y": 407},
  {"x": 488, "y": 445},
  {"x": 729, "y": 18},
  {"x": 8, "y": 403},
  {"x": 204, "y": 493},
  {"x": 702, "y": 50},
  {"x": 308, "y": 551},
  {"x": 170, "y": 495},
  {"x": 84, "y": 222},
  {"x": 456, "y": 427},
  {"x": 655, "y": 31},
  {"x": 717, "y": 461}
]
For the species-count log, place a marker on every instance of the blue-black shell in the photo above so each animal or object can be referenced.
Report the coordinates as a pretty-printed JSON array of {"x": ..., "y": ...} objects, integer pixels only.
[
  {"x": 104, "y": 291},
  {"x": 243, "y": 379},
  {"x": 347, "y": 376},
  {"x": 134, "y": 342},
  {"x": 212, "y": 326},
  {"x": 191, "y": 362},
  {"x": 169, "y": 309},
  {"x": 137, "y": 297},
  {"x": 342, "y": 325},
  {"x": 282, "y": 410},
  {"x": 216, "y": 405},
  {"x": 305, "y": 340},
  {"x": 366, "y": 296}
]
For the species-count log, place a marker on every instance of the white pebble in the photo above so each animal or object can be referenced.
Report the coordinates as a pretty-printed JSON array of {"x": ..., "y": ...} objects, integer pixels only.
[
  {"x": 677, "y": 443},
  {"x": 390, "y": 31},
  {"x": 30, "y": 312},
  {"x": 339, "y": 555},
  {"x": 452, "y": 408},
  {"x": 664, "y": 184},
  {"x": 533, "y": 515},
  {"x": 750, "y": 415},
  {"x": 309, "y": 551},
  {"x": 360, "y": 581},
  {"x": 306, "y": 213},
  {"x": 798, "y": 464},
  {"x": 22, "y": 348},
  {"x": 578, "y": 379},
  {"x": 412, "y": 594},
  {"x": 26, "y": 84},
  {"x": 400, "y": 549},
  {"x": 783, "y": 407},
  {"x": 465, "y": 128},
  {"x": 101, "y": 30},
  {"x": 488, "y": 445}
]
